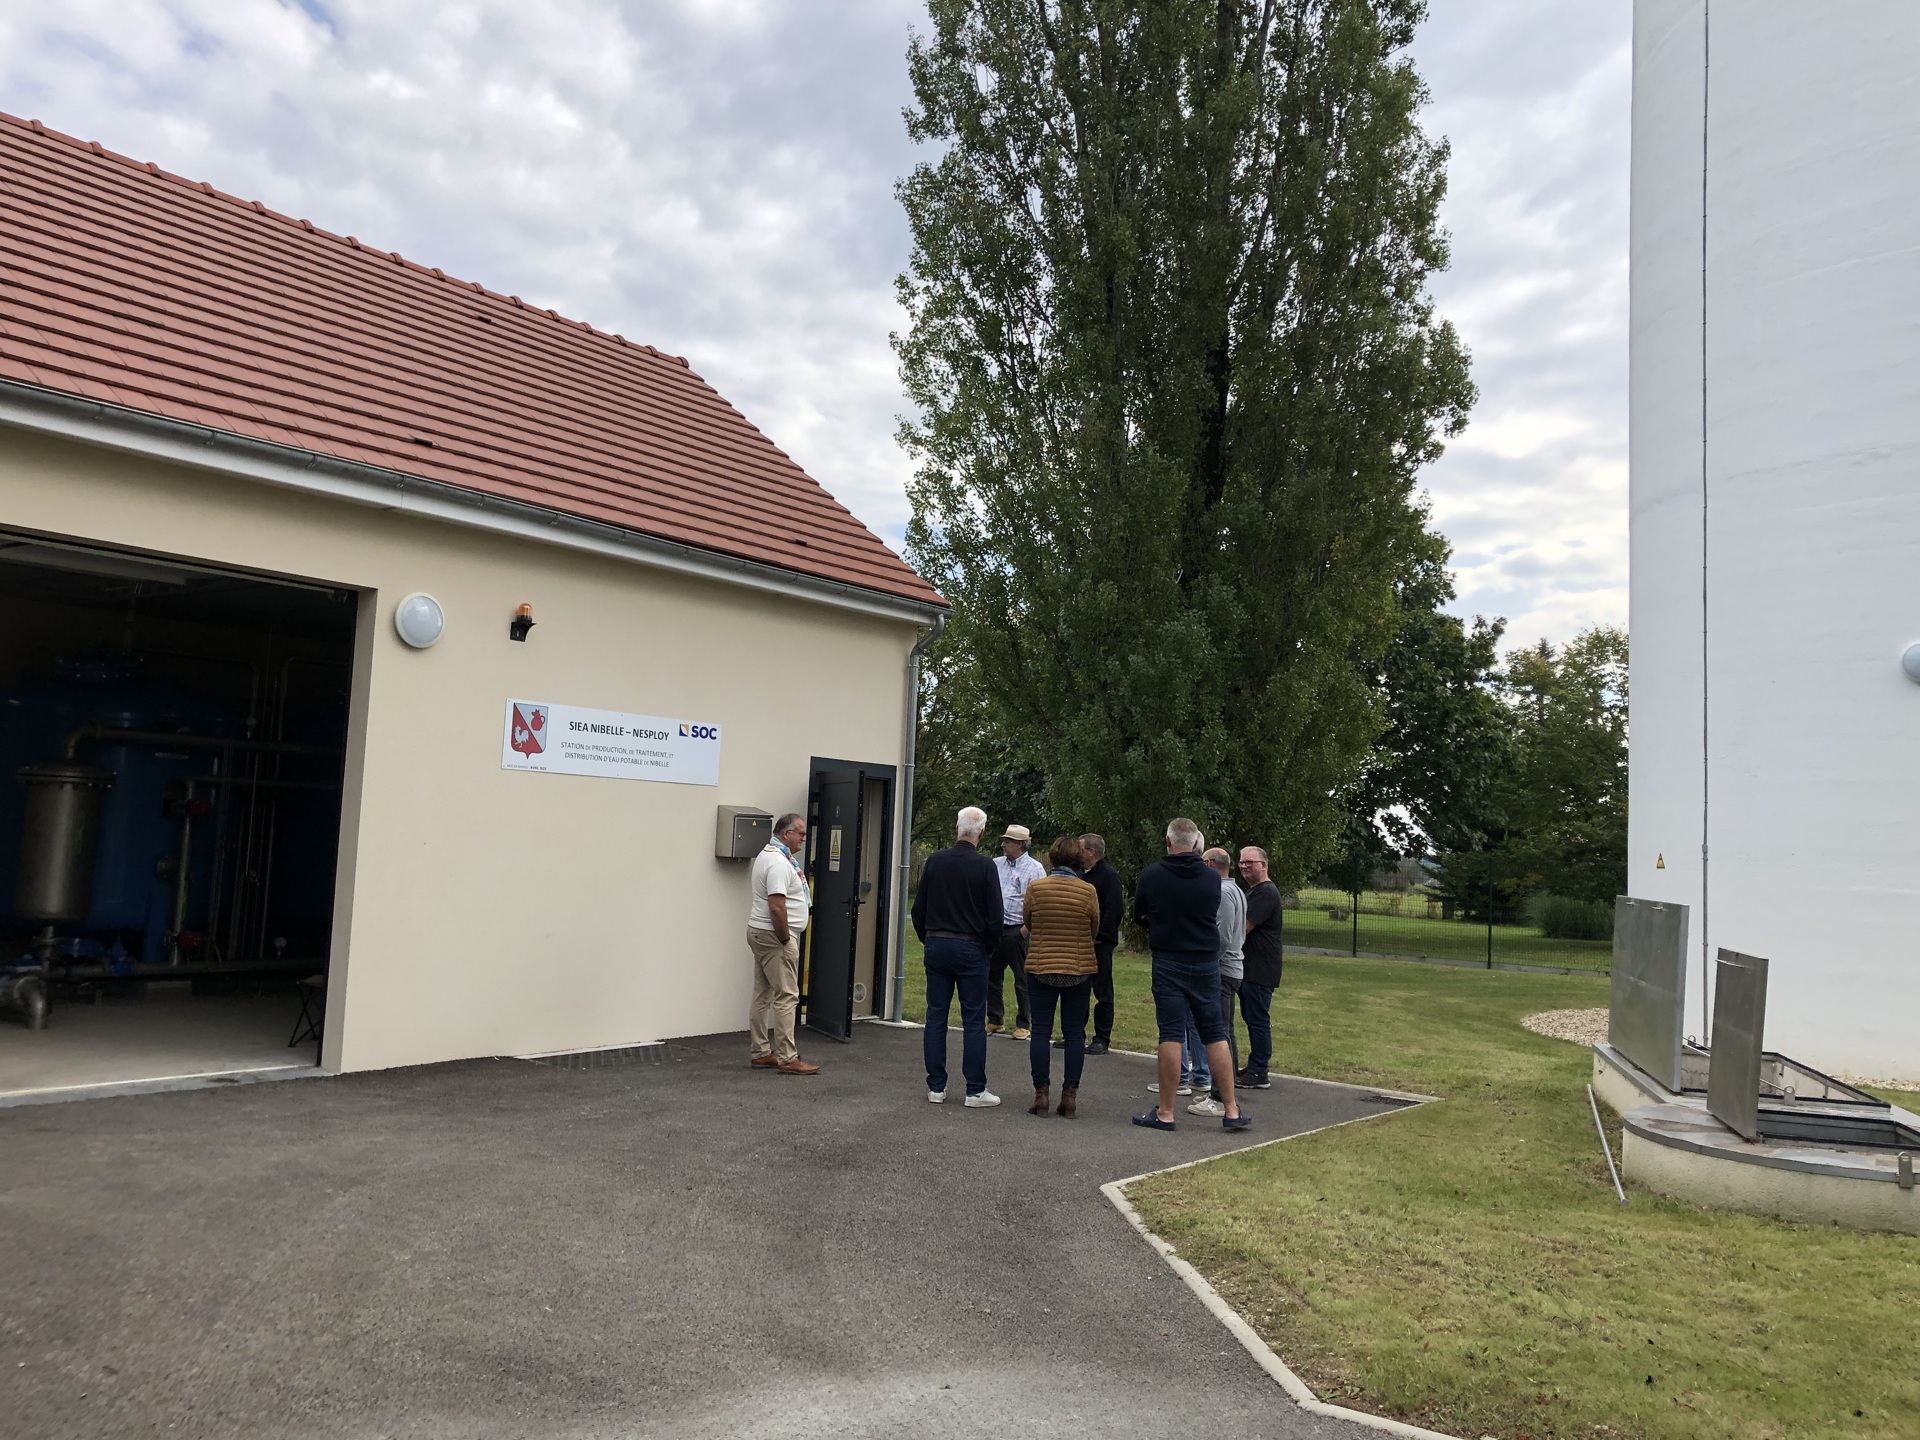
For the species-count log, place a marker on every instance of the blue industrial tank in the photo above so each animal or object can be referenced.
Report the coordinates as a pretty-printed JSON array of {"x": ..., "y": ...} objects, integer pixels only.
[{"x": 137, "y": 830}]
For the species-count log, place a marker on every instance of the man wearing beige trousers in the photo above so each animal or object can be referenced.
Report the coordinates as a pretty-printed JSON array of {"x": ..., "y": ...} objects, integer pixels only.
[{"x": 776, "y": 919}]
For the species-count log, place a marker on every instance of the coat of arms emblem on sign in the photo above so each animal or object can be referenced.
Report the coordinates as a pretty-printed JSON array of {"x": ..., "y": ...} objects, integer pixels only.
[{"x": 529, "y": 729}]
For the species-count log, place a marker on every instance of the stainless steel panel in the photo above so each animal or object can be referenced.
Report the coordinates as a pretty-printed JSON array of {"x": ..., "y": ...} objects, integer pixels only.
[
  {"x": 1739, "y": 1018},
  {"x": 1648, "y": 1003}
]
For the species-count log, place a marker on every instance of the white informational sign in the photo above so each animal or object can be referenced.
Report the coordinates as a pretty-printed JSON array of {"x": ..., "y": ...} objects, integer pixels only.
[{"x": 569, "y": 740}]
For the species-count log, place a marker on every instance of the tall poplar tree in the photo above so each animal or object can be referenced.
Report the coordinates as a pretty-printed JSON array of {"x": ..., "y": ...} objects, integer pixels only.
[{"x": 1176, "y": 371}]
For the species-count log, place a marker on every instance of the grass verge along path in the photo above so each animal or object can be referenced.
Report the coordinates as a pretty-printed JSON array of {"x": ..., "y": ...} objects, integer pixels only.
[{"x": 1465, "y": 1265}]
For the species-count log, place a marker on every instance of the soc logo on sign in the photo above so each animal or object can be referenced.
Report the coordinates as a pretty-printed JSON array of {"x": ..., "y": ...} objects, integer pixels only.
[{"x": 699, "y": 732}]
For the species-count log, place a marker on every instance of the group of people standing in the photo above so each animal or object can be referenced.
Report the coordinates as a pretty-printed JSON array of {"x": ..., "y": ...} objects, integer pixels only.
[
  {"x": 1017, "y": 871},
  {"x": 1056, "y": 926}
]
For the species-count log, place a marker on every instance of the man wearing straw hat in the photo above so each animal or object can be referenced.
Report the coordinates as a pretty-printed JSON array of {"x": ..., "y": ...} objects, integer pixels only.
[{"x": 1017, "y": 870}]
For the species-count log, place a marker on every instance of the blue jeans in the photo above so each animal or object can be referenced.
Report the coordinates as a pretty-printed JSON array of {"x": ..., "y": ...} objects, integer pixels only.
[
  {"x": 1194, "y": 1069},
  {"x": 956, "y": 966},
  {"x": 1256, "y": 1007},
  {"x": 1073, "y": 1001}
]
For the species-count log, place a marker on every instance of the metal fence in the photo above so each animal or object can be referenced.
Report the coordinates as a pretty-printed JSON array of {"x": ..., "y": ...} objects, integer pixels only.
[{"x": 1413, "y": 925}]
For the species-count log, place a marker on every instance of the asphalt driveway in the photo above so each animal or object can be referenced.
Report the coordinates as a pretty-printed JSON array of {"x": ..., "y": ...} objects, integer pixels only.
[{"x": 503, "y": 1249}]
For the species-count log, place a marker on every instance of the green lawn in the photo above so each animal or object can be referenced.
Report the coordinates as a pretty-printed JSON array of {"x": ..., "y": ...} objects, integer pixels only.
[
  {"x": 1415, "y": 934},
  {"x": 1905, "y": 1099},
  {"x": 1465, "y": 1264}
]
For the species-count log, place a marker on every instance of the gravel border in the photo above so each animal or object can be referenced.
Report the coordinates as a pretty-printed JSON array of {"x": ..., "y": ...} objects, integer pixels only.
[{"x": 1582, "y": 1027}]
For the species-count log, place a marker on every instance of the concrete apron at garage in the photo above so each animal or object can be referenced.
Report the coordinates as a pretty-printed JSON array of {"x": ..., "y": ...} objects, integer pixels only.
[
  {"x": 497, "y": 1248},
  {"x": 168, "y": 1039}
]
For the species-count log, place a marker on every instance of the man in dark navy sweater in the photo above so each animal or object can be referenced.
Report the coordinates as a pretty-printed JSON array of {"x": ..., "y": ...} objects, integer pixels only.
[
  {"x": 956, "y": 914},
  {"x": 1178, "y": 900}
]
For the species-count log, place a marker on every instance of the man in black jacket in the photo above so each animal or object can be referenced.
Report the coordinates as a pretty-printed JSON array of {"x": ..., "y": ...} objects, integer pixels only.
[
  {"x": 1264, "y": 955},
  {"x": 956, "y": 914},
  {"x": 1113, "y": 907},
  {"x": 1178, "y": 900}
]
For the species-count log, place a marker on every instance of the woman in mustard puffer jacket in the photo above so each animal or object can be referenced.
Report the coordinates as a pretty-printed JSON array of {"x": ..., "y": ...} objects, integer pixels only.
[{"x": 1062, "y": 917}]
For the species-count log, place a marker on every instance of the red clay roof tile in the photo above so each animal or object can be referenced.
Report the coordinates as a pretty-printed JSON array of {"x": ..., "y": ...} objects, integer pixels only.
[{"x": 122, "y": 283}]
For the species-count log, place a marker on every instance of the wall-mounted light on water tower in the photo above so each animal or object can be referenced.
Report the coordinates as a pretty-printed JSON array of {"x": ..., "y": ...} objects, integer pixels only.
[
  {"x": 1910, "y": 662},
  {"x": 522, "y": 622}
]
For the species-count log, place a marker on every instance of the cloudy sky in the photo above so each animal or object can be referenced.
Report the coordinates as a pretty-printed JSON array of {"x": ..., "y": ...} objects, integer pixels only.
[{"x": 715, "y": 177}]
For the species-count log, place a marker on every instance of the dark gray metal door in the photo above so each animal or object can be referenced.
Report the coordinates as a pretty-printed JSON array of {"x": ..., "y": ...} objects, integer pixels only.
[{"x": 839, "y": 798}]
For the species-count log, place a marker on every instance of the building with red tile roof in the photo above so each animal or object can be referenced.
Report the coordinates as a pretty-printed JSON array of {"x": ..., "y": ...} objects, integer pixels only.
[{"x": 387, "y": 650}]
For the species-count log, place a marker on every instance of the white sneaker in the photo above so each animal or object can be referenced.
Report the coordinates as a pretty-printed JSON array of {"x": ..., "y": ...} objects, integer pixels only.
[
  {"x": 1153, "y": 1088},
  {"x": 985, "y": 1100},
  {"x": 1206, "y": 1105},
  {"x": 936, "y": 1097}
]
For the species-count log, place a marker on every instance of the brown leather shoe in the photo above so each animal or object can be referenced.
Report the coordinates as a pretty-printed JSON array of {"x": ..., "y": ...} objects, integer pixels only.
[
  {"x": 764, "y": 1062},
  {"x": 797, "y": 1066},
  {"x": 1069, "y": 1100},
  {"x": 993, "y": 1027},
  {"x": 1042, "y": 1100}
]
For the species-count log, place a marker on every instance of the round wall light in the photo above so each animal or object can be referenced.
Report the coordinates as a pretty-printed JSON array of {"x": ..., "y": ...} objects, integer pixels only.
[
  {"x": 1910, "y": 662},
  {"x": 418, "y": 620}
]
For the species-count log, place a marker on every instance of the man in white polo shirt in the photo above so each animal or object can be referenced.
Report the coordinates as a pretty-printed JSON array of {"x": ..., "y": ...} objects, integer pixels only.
[
  {"x": 1017, "y": 870},
  {"x": 776, "y": 919}
]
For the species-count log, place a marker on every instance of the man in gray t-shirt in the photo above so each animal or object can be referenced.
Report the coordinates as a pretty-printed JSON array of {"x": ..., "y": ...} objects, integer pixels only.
[{"x": 1232, "y": 924}]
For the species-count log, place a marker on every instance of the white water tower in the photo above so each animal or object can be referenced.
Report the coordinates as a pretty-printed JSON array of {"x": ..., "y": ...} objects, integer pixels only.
[{"x": 1775, "y": 497}]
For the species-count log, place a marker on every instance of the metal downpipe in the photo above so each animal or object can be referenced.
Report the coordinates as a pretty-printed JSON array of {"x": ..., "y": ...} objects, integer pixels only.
[{"x": 896, "y": 998}]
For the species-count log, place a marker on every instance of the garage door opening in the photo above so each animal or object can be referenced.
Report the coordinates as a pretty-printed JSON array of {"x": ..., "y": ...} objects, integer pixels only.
[{"x": 171, "y": 751}]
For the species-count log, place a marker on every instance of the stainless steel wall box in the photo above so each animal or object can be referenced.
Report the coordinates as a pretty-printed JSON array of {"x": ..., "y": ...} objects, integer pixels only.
[{"x": 742, "y": 832}]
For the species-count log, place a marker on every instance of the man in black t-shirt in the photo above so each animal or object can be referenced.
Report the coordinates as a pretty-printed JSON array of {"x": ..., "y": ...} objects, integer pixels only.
[{"x": 1263, "y": 958}]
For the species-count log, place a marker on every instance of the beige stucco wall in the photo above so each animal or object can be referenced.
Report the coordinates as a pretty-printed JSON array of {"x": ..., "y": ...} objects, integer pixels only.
[{"x": 483, "y": 911}]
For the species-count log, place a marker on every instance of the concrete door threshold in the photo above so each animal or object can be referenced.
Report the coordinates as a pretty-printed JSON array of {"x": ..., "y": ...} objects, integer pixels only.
[{"x": 153, "y": 1084}]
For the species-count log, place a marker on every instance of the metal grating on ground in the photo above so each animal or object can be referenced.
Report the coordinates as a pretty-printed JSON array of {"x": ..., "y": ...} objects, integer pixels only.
[{"x": 651, "y": 1053}]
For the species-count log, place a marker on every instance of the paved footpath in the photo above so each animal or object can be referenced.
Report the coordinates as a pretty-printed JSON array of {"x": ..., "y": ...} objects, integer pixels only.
[{"x": 499, "y": 1249}]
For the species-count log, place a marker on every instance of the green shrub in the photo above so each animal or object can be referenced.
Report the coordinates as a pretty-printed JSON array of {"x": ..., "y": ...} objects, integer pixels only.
[{"x": 1559, "y": 918}]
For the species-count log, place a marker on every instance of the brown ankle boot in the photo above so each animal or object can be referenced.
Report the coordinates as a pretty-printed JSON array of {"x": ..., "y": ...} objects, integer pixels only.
[
  {"x": 1042, "y": 1100},
  {"x": 1069, "y": 1100}
]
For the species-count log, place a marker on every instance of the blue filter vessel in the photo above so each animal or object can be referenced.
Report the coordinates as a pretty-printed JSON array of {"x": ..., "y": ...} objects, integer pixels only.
[{"x": 137, "y": 833}]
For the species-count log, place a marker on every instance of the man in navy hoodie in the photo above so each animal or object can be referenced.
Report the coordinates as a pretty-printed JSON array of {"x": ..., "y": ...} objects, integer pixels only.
[{"x": 1178, "y": 900}]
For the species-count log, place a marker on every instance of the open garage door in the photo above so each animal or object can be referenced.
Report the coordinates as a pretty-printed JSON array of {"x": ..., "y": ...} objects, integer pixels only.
[{"x": 171, "y": 748}]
